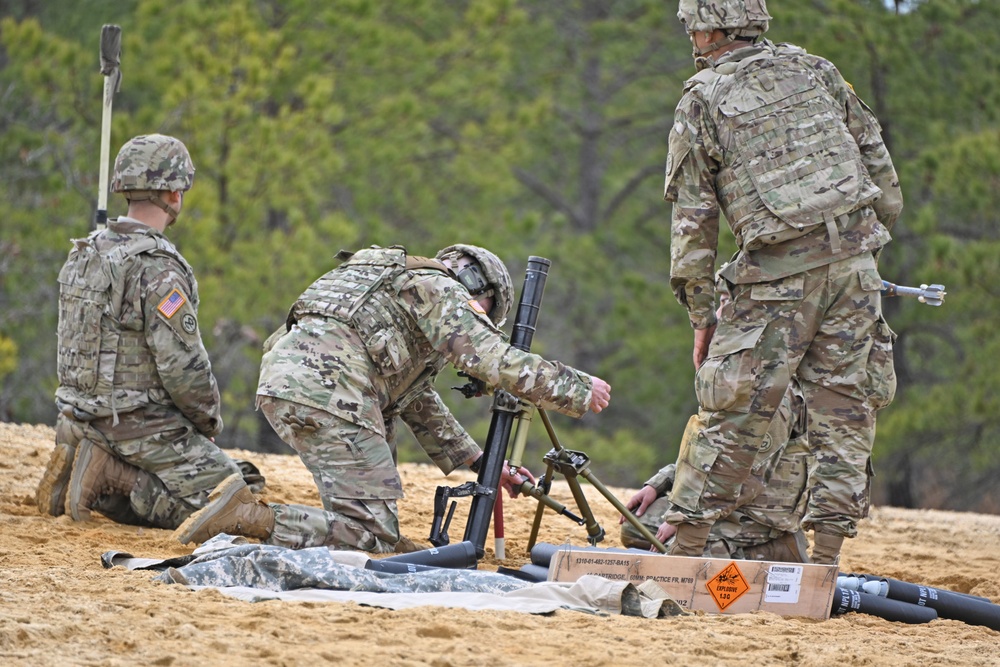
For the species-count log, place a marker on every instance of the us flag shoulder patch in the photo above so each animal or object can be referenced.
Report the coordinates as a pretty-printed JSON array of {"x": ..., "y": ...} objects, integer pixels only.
[
  {"x": 476, "y": 306},
  {"x": 172, "y": 303}
]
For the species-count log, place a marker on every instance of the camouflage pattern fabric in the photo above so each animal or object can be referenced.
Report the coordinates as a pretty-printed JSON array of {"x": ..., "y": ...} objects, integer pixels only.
[
  {"x": 355, "y": 471},
  {"x": 329, "y": 400},
  {"x": 276, "y": 569},
  {"x": 701, "y": 146},
  {"x": 745, "y": 17},
  {"x": 253, "y": 573},
  {"x": 322, "y": 362},
  {"x": 153, "y": 162},
  {"x": 823, "y": 326},
  {"x": 805, "y": 299},
  {"x": 160, "y": 403},
  {"x": 771, "y": 503}
]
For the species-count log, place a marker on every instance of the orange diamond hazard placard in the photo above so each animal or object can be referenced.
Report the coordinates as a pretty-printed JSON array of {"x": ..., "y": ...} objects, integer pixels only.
[{"x": 727, "y": 586}]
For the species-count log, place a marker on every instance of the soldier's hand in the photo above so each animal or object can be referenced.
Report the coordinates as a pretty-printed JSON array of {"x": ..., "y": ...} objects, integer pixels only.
[
  {"x": 638, "y": 503},
  {"x": 513, "y": 482},
  {"x": 702, "y": 339},
  {"x": 600, "y": 395},
  {"x": 664, "y": 533}
]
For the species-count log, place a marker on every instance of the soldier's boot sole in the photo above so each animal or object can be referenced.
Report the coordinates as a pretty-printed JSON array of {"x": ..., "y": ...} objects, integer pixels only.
[
  {"x": 231, "y": 508},
  {"x": 50, "y": 496},
  {"x": 73, "y": 503}
]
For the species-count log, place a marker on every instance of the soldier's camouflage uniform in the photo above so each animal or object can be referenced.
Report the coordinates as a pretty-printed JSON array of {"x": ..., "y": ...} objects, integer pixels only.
[
  {"x": 774, "y": 139},
  {"x": 772, "y": 501},
  {"x": 134, "y": 375},
  {"x": 364, "y": 346}
]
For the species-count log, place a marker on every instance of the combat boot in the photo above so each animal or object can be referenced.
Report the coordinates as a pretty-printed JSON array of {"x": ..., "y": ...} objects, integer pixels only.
[
  {"x": 50, "y": 496},
  {"x": 97, "y": 472},
  {"x": 689, "y": 540},
  {"x": 826, "y": 548},
  {"x": 789, "y": 548},
  {"x": 231, "y": 509}
]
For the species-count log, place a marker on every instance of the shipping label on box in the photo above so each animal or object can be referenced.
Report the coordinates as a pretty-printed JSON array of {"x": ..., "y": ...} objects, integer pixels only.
[{"x": 713, "y": 585}]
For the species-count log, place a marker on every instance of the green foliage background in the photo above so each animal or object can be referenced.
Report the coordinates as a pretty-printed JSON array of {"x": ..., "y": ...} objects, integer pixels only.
[{"x": 530, "y": 127}]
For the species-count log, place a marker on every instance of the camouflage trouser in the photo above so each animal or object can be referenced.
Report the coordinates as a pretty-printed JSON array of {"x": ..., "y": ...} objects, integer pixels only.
[
  {"x": 182, "y": 467},
  {"x": 772, "y": 502},
  {"x": 355, "y": 472},
  {"x": 824, "y": 327}
]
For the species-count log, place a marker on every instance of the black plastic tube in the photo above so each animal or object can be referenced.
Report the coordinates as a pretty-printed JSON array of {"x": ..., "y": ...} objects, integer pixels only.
[
  {"x": 458, "y": 556},
  {"x": 891, "y": 610},
  {"x": 947, "y": 603}
]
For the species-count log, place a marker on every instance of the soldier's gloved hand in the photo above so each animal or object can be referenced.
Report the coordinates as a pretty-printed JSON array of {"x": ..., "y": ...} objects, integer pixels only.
[
  {"x": 513, "y": 482},
  {"x": 306, "y": 426},
  {"x": 638, "y": 503},
  {"x": 600, "y": 394}
]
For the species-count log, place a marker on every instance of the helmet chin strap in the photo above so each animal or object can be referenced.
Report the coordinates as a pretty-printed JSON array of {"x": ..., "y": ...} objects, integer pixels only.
[
  {"x": 153, "y": 197},
  {"x": 700, "y": 60}
]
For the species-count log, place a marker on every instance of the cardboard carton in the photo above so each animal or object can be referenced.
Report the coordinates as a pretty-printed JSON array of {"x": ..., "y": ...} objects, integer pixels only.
[{"x": 713, "y": 585}]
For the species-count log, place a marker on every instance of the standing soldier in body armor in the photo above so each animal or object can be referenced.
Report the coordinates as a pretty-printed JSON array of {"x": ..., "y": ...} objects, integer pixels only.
[
  {"x": 138, "y": 403},
  {"x": 362, "y": 346},
  {"x": 775, "y": 139}
]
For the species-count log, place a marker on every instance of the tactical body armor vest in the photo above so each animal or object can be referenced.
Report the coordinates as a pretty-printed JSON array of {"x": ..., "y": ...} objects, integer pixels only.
[
  {"x": 790, "y": 163},
  {"x": 362, "y": 292},
  {"x": 104, "y": 364}
]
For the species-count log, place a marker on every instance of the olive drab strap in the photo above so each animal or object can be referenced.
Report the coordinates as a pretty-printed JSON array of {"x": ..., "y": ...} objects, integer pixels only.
[{"x": 415, "y": 262}]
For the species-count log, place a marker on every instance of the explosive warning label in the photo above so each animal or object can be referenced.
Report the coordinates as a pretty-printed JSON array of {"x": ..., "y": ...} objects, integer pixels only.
[{"x": 727, "y": 586}]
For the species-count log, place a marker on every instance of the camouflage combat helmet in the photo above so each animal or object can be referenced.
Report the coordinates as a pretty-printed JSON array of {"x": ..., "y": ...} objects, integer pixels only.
[
  {"x": 150, "y": 164},
  {"x": 735, "y": 18},
  {"x": 496, "y": 277},
  {"x": 153, "y": 162}
]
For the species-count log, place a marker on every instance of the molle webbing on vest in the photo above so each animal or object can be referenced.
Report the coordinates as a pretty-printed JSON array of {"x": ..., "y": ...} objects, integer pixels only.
[
  {"x": 341, "y": 293},
  {"x": 135, "y": 366},
  {"x": 790, "y": 162},
  {"x": 360, "y": 293},
  {"x": 105, "y": 368}
]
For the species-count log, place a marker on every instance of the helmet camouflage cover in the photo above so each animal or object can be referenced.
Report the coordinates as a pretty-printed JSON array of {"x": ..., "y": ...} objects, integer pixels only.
[
  {"x": 744, "y": 18},
  {"x": 494, "y": 271},
  {"x": 153, "y": 162}
]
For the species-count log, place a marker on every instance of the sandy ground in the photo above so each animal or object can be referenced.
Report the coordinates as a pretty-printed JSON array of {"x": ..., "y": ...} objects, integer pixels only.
[{"x": 58, "y": 606}]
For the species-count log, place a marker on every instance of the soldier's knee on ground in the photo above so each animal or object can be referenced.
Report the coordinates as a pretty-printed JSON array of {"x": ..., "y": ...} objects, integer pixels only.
[{"x": 633, "y": 539}]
